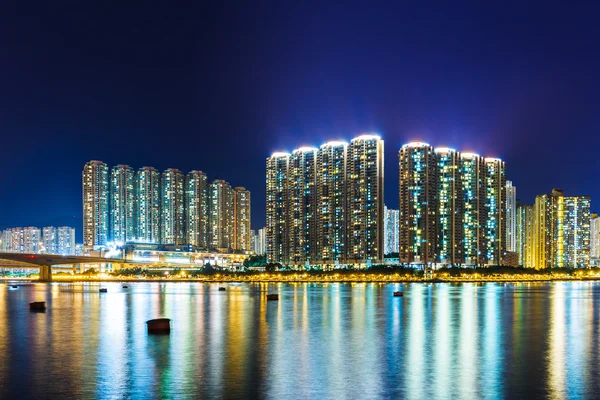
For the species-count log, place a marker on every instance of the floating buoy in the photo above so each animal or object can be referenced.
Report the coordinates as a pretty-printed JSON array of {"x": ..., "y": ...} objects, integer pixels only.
[
  {"x": 37, "y": 306},
  {"x": 125, "y": 286},
  {"x": 159, "y": 325},
  {"x": 221, "y": 289},
  {"x": 398, "y": 294},
  {"x": 103, "y": 290},
  {"x": 272, "y": 297}
]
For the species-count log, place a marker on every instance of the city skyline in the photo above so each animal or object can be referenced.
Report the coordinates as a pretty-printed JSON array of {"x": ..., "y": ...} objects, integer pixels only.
[{"x": 487, "y": 92}]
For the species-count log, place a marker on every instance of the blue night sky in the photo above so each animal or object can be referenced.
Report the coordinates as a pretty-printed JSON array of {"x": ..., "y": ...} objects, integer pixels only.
[{"x": 218, "y": 89}]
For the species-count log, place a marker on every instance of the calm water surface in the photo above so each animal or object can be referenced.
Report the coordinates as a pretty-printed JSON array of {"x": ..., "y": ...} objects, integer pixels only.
[{"x": 342, "y": 341}]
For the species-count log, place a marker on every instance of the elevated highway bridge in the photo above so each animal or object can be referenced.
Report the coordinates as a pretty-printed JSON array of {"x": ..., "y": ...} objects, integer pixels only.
[{"x": 45, "y": 262}]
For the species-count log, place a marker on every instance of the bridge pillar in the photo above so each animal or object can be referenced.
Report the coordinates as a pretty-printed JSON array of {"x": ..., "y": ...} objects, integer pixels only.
[{"x": 45, "y": 273}]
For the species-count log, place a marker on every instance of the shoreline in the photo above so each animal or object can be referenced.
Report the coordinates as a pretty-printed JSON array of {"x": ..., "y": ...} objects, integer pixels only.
[{"x": 320, "y": 280}]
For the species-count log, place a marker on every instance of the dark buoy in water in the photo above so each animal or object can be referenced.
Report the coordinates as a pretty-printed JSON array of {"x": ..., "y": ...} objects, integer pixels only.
[
  {"x": 221, "y": 289},
  {"x": 398, "y": 294},
  {"x": 159, "y": 325},
  {"x": 272, "y": 297},
  {"x": 125, "y": 286},
  {"x": 37, "y": 306},
  {"x": 103, "y": 290}
]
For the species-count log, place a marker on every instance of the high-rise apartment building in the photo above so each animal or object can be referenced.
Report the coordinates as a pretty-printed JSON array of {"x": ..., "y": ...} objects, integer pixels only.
[
  {"x": 452, "y": 207},
  {"x": 95, "y": 203},
  {"x": 260, "y": 242},
  {"x": 196, "y": 187},
  {"x": 241, "y": 219},
  {"x": 595, "y": 240},
  {"x": 472, "y": 193},
  {"x": 122, "y": 204},
  {"x": 417, "y": 172},
  {"x": 25, "y": 240},
  {"x": 325, "y": 206},
  {"x": 562, "y": 231},
  {"x": 5, "y": 241},
  {"x": 302, "y": 202},
  {"x": 331, "y": 202},
  {"x": 525, "y": 234},
  {"x": 50, "y": 240},
  {"x": 364, "y": 173},
  {"x": 447, "y": 207},
  {"x": 277, "y": 208},
  {"x": 495, "y": 211},
  {"x": 173, "y": 207},
  {"x": 511, "y": 217},
  {"x": 65, "y": 241},
  {"x": 391, "y": 229},
  {"x": 148, "y": 203},
  {"x": 221, "y": 215}
]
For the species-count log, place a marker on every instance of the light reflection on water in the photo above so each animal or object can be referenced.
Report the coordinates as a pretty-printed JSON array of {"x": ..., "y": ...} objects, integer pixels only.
[{"x": 334, "y": 340}]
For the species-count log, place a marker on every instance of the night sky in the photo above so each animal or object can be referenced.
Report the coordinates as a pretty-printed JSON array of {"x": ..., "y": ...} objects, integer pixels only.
[{"x": 218, "y": 89}]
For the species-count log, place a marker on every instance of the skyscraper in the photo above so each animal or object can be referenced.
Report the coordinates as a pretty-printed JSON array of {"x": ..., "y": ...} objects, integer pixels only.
[
  {"x": 148, "y": 205},
  {"x": 331, "y": 202},
  {"x": 452, "y": 207},
  {"x": 196, "y": 187},
  {"x": 276, "y": 208},
  {"x": 50, "y": 240},
  {"x": 391, "y": 229},
  {"x": 525, "y": 234},
  {"x": 447, "y": 207},
  {"x": 66, "y": 241},
  {"x": 472, "y": 193},
  {"x": 173, "y": 207},
  {"x": 221, "y": 215},
  {"x": 364, "y": 173},
  {"x": 302, "y": 198},
  {"x": 241, "y": 219},
  {"x": 95, "y": 203},
  {"x": 122, "y": 204},
  {"x": 261, "y": 242},
  {"x": 511, "y": 217},
  {"x": 562, "y": 231},
  {"x": 595, "y": 240},
  {"x": 495, "y": 211},
  {"x": 417, "y": 222}
]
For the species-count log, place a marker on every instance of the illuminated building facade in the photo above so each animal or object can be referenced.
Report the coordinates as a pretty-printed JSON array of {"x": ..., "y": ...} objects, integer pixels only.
[
  {"x": 525, "y": 234},
  {"x": 331, "y": 202},
  {"x": 447, "y": 208},
  {"x": 391, "y": 230},
  {"x": 50, "y": 240},
  {"x": 302, "y": 201},
  {"x": 65, "y": 241},
  {"x": 260, "y": 242},
  {"x": 417, "y": 225},
  {"x": 511, "y": 217},
  {"x": 196, "y": 199},
  {"x": 325, "y": 206},
  {"x": 562, "y": 231},
  {"x": 148, "y": 205},
  {"x": 122, "y": 204},
  {"x": 221, "y": 215},
  {"x": 452, "y": 207},
  {"x": 595, "y": 240},
  {"x": 173, "y": 207},
  {"x": 95, "y": 203},
  {"x": 472, "y": 198},
  {"x": 364, "y": 173},
  {"x": 495, "y": 211},
  {"x": 242, "y": 234},
  {"x": 277, "y": 208}
]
